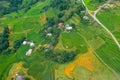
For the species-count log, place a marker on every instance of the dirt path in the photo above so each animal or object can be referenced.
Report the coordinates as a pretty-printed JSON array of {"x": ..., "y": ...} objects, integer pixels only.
[{"x": 96, "y": 19}]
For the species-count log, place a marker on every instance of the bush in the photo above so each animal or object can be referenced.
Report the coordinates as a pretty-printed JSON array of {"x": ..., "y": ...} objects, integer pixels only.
[
  {"x": 50, "y": 21},
  {"x": 60, "y": 4},
  {"x": 60, "y": 15},
  {"x": 26, "y": 78},
  {"x": 18, "y": 43}
]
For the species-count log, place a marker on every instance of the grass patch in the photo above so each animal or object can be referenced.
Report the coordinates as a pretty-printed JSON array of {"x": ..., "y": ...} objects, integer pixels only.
[
  {"x": 110, "y": 18},
  {"x": 90, "y": 5},
  {"x": 76, "y": 42},
  {"x": 96, "y": 42},
  {"x": 109, "y": 52}
]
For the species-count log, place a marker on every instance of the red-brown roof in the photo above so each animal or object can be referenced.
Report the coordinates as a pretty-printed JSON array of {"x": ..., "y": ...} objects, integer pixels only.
[{"x": 60, "y": 24}]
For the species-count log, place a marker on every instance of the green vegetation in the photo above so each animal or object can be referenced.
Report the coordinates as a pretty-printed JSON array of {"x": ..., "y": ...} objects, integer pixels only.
[
  {"x": 6, "y": 63},
  {"x": 111, "y": 56},
  {"x": 76, "y": 42},
  {"x": 32, "y": 28},
  {"x": 55, "y": 46},
  {"x": 93, "y": 4},
  {"x": 107, "y": 49},
  {"x": 4, "y": 40},
  {"x": 109, "y": 52},
  {"x": 39, "y": 68},
  {"x": 18, "y": 43},
  {"x": 8, "y": 6},
  {"x": 89, "y": 5},
  {"x": 111, "y": 20}
]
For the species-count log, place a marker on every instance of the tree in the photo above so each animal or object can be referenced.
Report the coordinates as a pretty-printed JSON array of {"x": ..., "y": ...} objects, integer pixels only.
[
  {"x": 60, "y": 4},
  {"x": 6, "y": 32},
  {"x": 70, "y": 15},
  {"x": 80, "y": 8},
  {"x": 18, "y": 43},
  {"x": 50, "y": 21},
  {"x": 98, "y": 1},
  {"x": 26, "y": 78},
  {"x": 73, "y": 25},
  {"x": 15, "y": 3},
  {"x": 60, "y": 15}
]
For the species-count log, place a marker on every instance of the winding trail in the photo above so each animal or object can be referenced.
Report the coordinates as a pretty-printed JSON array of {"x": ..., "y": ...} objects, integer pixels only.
[{"x": 96, "y": 19}]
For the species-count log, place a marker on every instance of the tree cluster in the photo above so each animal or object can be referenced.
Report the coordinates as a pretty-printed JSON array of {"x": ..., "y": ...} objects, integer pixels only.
[
  {"x": 61, "y": 57},
  {"x": 15, "y": 5},
  {"x": 60, "y": 4},
  {"x": 98, "y": 1},
  {"x": 4, "y": 39},
  {"x": 18, "y": 43}
]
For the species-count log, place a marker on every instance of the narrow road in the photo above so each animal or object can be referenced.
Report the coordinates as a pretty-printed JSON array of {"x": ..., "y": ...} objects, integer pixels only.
[{"x": 95, "y": 18}]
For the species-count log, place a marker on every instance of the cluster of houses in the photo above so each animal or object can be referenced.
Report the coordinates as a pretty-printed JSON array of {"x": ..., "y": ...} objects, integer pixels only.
[
  {"x": 31, "y": 44},
  {"x": 107, "y": 6},
  {"x": 61, "y": 26},
  {"x": 66, "y": 27}
]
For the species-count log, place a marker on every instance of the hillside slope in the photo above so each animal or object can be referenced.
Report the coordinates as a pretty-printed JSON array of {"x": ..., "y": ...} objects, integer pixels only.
[{"x": 55, "y": 40}]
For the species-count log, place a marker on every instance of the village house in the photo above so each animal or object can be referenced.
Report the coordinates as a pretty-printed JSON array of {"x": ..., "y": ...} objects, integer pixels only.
[
  {"x": 49, "y": 28},
  {"x": 85, "y": 17},
  {"x": 60, "y": 25},
  {"x": 18, "y": 77},
  {"x": 68, "y": 27},
  {"x": 48, "y": 47},
  {"x": 49, "y": 34},
  {"x": 31, "y": 44},
  {"x": 83, "y": 11},
  {"x": 28, "y": 53},
  {"x": 24, "y": 42},
  {"x": 106, "y": 7}
]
